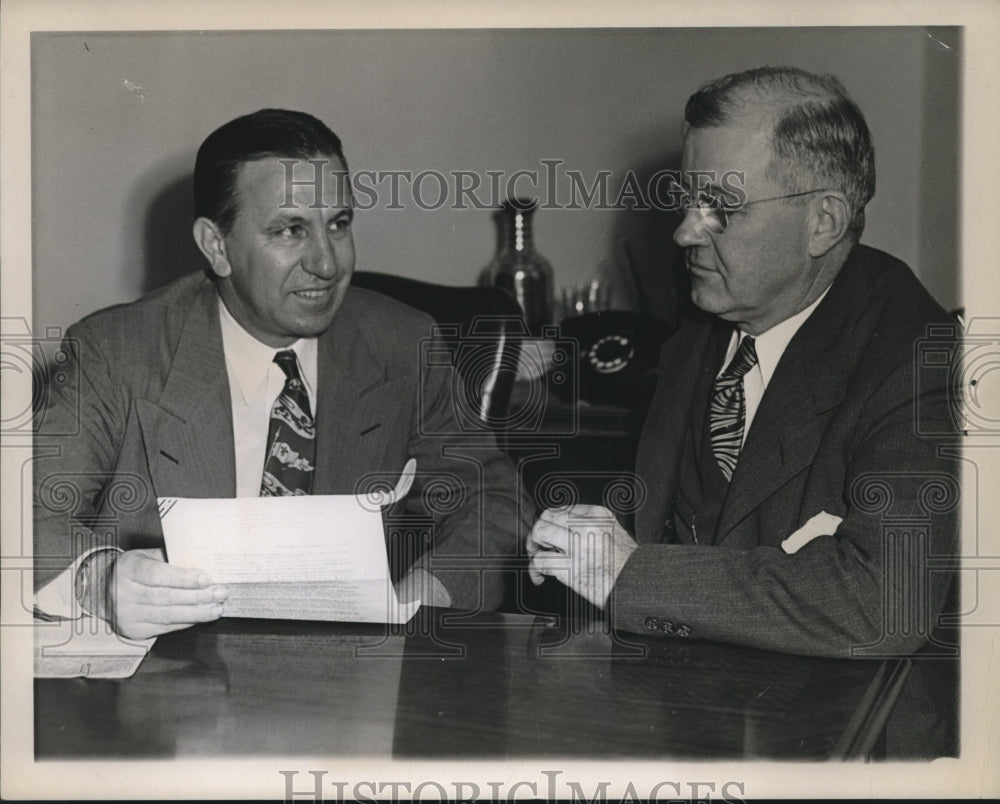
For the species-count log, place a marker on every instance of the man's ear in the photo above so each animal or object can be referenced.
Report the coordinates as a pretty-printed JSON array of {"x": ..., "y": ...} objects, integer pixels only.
[
  {"x": 213, "y": 246},
  {"x": 830, "y": 222}
]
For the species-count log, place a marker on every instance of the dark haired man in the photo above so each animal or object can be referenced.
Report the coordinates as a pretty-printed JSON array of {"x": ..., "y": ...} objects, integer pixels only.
[
  {"x": 782, "y": 439},
  {"x": 179, "y": 393}
]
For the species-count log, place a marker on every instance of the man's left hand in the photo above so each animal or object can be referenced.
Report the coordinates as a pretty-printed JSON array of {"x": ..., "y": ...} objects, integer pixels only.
[{"x": 581, "y": 545}]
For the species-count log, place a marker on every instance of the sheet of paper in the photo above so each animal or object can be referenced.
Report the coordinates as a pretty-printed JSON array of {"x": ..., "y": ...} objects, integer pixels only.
[{"x": 315, "y": 557}]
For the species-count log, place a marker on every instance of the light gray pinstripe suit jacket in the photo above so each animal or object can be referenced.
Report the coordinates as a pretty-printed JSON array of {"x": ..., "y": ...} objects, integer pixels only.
[{"x": 146, "y": 413}]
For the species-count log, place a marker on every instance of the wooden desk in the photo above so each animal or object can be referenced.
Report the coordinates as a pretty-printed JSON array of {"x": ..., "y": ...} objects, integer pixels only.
[{"x": 454, "y": 685}]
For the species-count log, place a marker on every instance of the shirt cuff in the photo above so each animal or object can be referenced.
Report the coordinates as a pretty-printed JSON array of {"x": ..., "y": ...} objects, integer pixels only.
[{"x": 58, "y": 597}]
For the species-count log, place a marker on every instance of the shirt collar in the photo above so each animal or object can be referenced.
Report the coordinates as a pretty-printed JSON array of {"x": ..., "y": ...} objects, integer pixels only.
[
  {"x": 250, "y": 360},
  {"x": 771, "y": 345}
]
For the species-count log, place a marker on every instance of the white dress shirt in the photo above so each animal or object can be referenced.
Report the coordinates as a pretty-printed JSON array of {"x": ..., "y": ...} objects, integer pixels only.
[
  {"x": 255, "y": 382},
  {"x": 769, "y": 346}
]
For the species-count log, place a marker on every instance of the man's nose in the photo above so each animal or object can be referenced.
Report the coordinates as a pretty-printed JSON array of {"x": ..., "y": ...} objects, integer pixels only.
[
  {"x": 322, "y": 258},
  {"x": 693, "y": 229}
]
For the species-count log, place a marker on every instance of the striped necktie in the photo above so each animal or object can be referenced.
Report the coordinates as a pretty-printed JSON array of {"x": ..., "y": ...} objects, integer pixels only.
[
  {"x": 291, "y": 436},
  {"x": 728, "y": 410}
]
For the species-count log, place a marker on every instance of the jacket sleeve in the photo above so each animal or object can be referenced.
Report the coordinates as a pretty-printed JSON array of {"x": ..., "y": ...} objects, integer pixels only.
[
  {"x": 79, "y": 423},
  {"x": 874, "y": 587},
  {"x": 471, "y": 491}
]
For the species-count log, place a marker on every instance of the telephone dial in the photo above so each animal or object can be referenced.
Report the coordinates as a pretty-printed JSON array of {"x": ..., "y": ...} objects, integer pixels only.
[{"x": 618, "y": 354}]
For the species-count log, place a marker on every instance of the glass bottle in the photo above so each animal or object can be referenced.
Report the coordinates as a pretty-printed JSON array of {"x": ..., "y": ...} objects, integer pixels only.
[{"x": 518, "y": 268}]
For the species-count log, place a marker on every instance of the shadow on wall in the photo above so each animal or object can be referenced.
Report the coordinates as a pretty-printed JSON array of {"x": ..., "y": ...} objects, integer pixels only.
[
  {"x": 663, "y": 281},
  {"x": 169, "y": 248}
]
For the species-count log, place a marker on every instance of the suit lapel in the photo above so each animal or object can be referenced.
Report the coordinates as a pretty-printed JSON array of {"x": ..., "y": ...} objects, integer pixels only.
[
  {"x": 686, "y": 371},
  {"x": 188, "y": 431},
  {"x": 355, "y": 405},
  {"x": 808, "y": 383}
]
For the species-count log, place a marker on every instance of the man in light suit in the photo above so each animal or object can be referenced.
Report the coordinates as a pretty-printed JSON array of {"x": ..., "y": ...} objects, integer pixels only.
[
  {"x": 172, "y": 395},
  {"x": 783, "y": 439}
]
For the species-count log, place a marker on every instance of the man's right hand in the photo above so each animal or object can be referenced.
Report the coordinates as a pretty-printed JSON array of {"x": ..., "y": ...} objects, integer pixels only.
[{"x": 146, "y": 596}]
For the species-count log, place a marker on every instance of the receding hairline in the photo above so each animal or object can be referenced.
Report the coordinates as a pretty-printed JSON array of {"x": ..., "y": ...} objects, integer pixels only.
[
  {"x": 755, "y": 104},
  {"x": 242, "y": 175},
  {"x": 759, "y": 107},
  {"x": 776, "y": 88},
  {"x": 280, "y": 158}
]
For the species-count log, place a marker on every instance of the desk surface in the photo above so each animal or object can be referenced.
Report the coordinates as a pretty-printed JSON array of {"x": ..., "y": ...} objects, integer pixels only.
[{"x": 455, "y": 685}]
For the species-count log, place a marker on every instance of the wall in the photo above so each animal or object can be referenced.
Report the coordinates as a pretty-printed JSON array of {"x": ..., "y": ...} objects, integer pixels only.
[{"x": 117, "y": 119}]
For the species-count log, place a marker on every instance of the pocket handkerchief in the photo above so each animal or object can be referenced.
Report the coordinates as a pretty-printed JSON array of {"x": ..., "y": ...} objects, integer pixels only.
[{"x": 823, "y": 524}]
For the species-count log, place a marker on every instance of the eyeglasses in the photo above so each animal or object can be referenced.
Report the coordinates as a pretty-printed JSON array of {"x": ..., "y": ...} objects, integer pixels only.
[{"x": 714, "y": 210}]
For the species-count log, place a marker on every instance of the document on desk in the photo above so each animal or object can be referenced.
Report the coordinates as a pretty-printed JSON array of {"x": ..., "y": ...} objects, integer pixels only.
[{"x": 312, "y": 557}]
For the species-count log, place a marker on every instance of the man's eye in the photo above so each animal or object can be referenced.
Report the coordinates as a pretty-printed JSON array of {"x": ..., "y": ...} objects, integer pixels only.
[
  {"x": 700, "y": 200},
  {"x": 684, "y": 198},
  {"x": 709, "y": 201},
  {"x": 292, "y": 231},
  {"x": 340, "y": 226}
]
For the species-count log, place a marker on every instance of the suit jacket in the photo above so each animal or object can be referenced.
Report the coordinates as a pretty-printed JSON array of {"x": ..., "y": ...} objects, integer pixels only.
[
  {"x": 146, "y": 412},
  {"x": 839, "y": 429}
]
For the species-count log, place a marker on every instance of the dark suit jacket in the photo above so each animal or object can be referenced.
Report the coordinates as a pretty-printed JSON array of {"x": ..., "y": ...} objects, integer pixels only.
[
  {"x": 836, "y": 431},
  {"x": 146, "y": 412}
]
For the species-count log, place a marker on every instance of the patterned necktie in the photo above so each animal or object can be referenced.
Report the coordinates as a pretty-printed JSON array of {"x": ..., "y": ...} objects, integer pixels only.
[
  {"x": 728, "y": 410},
  {"x": 291, "y": 436}
]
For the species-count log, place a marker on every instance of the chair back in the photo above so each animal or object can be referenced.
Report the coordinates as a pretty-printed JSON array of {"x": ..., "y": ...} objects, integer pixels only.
[{"x": 483, "y": 328}]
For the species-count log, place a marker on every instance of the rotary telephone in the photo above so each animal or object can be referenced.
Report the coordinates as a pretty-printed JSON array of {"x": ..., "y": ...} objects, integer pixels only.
[{"x": 618, "y": 354}]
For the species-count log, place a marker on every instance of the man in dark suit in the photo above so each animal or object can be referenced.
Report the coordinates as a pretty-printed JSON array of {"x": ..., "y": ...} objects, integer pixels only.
[
  {"x": 782, "y": 448},
  {"x": 180, "y": 394}
]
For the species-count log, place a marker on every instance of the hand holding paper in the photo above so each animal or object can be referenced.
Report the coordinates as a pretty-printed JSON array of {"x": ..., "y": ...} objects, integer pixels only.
[
  {"x": 319, "y": 557},
  {"x": 148, "y": 596}
]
